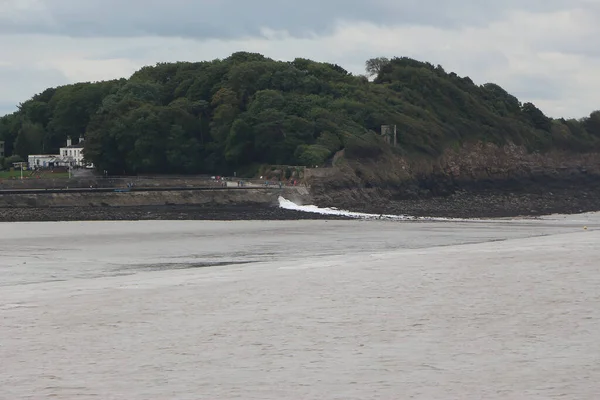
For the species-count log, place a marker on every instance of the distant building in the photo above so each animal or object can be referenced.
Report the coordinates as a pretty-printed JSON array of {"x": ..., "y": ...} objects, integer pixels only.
[
  {"x": 70, "y": 155},
  {"x": 1, "y": 148},
  {"x": 37, "y": 161},
  {"x": 73, "y": 153}
]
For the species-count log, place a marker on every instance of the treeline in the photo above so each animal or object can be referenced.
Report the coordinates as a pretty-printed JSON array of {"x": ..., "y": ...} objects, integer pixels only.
[{"x": 247, "y": 110}]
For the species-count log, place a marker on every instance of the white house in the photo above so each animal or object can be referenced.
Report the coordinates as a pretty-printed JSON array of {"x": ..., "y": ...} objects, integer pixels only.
[{"x": 73, "y": 153}]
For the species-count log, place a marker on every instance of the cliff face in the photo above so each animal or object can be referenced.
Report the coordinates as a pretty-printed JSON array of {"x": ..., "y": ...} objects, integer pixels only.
[
  {"x": 471, "y": 171},
  {"x": 488, "y": 161}
]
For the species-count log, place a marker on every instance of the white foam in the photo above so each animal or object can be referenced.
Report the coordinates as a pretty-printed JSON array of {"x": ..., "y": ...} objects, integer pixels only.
[{"x": 289, "y": 205}]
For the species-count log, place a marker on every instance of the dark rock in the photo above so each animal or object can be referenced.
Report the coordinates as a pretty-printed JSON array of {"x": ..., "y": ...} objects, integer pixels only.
[{"x": 186, "y": 212}]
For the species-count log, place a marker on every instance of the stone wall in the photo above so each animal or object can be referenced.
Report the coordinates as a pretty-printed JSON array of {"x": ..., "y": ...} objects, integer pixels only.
[{"x": 155, "y": 198}]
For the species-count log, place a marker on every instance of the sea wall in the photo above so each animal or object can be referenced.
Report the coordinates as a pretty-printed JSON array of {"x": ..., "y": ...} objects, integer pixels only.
[
  {"x": 50, "y": 182},
  {"x": 258, "y": 196}
]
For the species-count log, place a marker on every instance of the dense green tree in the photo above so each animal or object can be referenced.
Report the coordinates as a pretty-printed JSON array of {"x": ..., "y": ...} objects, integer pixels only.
[
  {"x": 246, "y": 110},
  {"x": 537, "y": 117},
  {"x": 30, "y": 140},
  {"x": 374, "y": 66},
  {"x": 9, "y": 162},
  {"x": 592, "y": 124}
]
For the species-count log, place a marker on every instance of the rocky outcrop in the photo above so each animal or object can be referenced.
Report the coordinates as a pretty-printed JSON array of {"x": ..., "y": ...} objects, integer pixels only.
[
  {"x": 483, "y": 161},
  {"x": 499, "y": 180}
]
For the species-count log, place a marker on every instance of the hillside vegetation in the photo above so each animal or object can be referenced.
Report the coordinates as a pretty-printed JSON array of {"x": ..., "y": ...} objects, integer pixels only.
[{"x": 247, "y": 110}]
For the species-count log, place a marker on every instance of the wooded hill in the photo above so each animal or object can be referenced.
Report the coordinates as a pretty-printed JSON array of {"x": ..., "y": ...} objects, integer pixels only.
[{"x": 247, "y": 110}]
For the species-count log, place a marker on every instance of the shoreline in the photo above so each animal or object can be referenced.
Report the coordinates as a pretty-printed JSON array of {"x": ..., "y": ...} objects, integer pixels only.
[
  {"x": 487, "y": 206},
  {"x": 463, "y": 205},
  {"x": 158, "y": 213},
  {"x": 531, "y": 200},
  {"x": 466, "y": 204}
]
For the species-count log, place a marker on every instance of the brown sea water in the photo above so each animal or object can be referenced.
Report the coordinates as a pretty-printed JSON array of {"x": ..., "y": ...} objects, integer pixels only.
[{"x": 504, "y": 309}]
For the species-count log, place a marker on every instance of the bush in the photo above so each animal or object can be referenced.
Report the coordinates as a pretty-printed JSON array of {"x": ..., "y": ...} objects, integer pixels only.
[
  {"x": 330, "y": 141},
  {"x": 9, "y": 161},
  {"x": 312, "y": 155},
  {"x": 369, "y": 146}
]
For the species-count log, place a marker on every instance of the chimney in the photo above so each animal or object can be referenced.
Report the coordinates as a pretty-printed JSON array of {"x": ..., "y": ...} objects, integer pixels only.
[
  {"x": 69, "y": 142},
  {"x": 81, "y": 139}
]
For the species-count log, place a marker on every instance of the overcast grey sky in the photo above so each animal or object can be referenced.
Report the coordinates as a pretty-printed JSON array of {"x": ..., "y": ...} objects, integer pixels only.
[{"x": 542, "y": 51}]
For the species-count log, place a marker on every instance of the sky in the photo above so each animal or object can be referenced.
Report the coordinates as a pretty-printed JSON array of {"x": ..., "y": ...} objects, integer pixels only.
[{"x": 543, "y": 51}]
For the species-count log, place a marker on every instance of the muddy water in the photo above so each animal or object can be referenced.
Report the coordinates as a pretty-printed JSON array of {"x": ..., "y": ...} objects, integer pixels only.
[{"x": 300, "y": 310}]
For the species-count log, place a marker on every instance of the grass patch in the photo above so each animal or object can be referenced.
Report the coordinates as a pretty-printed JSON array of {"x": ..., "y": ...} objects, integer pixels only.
[{"x": 33, "y": 175}]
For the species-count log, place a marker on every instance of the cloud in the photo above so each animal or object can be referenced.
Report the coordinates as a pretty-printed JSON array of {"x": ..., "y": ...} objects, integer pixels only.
[
  {"x": 19, "y": 82},
  {"x": 6, "y": 108},
  {"x": 542, "y": 51},
  {"x": 233, "y": 18}
]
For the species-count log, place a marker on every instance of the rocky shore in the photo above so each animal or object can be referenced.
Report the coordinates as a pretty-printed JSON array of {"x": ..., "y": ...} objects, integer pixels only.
[
  {"x": 483, "y": 201},
  {"x": 166, "y": 212},
  {"x": 434, "y": 197},
  {"x": 461, "y": 204},
  {"x": 492, "y": 205}
]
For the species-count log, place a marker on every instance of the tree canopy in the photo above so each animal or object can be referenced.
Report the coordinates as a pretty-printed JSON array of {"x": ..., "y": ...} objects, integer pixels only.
[{"x": 246, "y": 110}]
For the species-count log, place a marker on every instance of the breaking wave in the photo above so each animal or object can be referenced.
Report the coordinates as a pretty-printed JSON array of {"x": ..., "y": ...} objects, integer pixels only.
[{"x": 289, "y": 205}]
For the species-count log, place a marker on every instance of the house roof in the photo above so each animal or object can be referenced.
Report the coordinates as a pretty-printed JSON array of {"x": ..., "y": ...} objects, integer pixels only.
[
  {"x": 74, "y": 146},
  {"x": 45, "y": 157}
]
